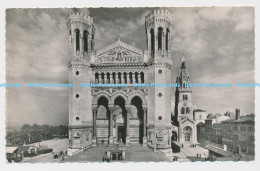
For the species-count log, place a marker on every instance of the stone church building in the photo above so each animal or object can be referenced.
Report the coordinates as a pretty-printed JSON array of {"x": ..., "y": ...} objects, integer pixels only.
[{"x": 126, "y": 114}]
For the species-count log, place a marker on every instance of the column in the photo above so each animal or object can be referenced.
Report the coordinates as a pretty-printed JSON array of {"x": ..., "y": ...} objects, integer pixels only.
[
  {"x": 163, "y": 43},
  {"x": 81, "y": 42},
  {"x": 144, "y": 127},
  {"x": 148, "y": 40},
  {"x": 111, "y": 141},
  {"x": 127, "y": 125},
  {"x": 116, "y": 78},
  {"x": 105, "y": 78},
  {"x": 99, "y": 77},
  {"x": 94, "y": 140},
  {"x": 89, "y": 42},
  {"x": 122, "y": 78},
  {"x": 73, "y": 42},
  {"x": 155, "y": 41},
  {"x": 111, "y": 78},
  {"x": 128, "y": 75},
  {"x": 139, "y": 78}
]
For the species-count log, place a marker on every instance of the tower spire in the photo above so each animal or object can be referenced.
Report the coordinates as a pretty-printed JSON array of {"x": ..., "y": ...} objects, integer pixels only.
[{"x": 183, "y": 66}]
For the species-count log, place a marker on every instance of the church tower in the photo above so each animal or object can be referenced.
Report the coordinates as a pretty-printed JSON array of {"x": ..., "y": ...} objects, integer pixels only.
[
  {"x": 183, "y": 107},
  {"x": 159, "y": 25},
  {"x": 81, "y": 33}
]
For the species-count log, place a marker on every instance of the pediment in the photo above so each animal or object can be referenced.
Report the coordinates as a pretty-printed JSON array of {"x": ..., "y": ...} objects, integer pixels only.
[
  {"x": 186, "y": 120},
  {"x": 119, "y": 52}
]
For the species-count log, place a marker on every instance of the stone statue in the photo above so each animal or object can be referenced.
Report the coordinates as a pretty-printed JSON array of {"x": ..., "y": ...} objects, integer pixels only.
[{"x": 182, "y": 59}]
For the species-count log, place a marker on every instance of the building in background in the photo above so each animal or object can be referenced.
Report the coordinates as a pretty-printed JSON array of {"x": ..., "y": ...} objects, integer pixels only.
[
  {"x": 200, "y": 116},
  {"x": 213, "y": 127},
  {"x": 239, "y": 134}
]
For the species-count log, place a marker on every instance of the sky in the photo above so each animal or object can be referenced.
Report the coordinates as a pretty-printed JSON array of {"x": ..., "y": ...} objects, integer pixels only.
[{"x": 217, "y": 42}]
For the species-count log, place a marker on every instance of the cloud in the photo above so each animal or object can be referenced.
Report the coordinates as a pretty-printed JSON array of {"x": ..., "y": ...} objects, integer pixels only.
[
  {"x": 245, "y": 22},
  {"x": 218, "y": 44}
]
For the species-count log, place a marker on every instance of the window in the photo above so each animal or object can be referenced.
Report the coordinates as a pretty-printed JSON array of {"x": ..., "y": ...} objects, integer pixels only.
[
  {"x": 77, "y": 118},
  {"x": 160, "y": 33},
  {"x": 160, "y": 94},
  {"x": 77, "y": 39},
  {"x": 188, "y": 110},
  {"x": 85, "y": 37},
  {"x": 242, "y": 128},
  {"x": 77, "y": 96},
  {"x": 185, "y": 97},
  {"x": 152, "y": 42},
  {"x": 77, "y": 72},
  {"x": 251, "y": 138},
  {"x": 243, "y": 149},
  {"x": 160, "y": 71},
  {"x": 250, "y": 128},
  {"x": 182, "y": 110},
  {"x": 167, "y": 40}
]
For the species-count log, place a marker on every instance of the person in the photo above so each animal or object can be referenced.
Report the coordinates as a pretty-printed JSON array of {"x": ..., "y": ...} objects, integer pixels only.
[
  {"x": 181, "y": 145},
  {"x": 197, "y": 155}
]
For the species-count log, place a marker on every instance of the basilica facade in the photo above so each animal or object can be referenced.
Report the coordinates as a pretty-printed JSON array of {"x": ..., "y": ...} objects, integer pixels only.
[{"x": 126, "y": 114}]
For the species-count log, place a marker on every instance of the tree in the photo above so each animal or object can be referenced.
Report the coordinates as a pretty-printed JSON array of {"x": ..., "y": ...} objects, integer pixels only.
[{"x": 26, "y": 127}]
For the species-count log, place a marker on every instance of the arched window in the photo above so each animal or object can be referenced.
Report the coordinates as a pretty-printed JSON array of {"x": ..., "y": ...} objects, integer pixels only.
[
  {"x": 188, "y": 110},
  {"x": 160, "y": 34},
  {"x": 96, "y": 78},
  {"x": 85, "y": 41},
  {"x": 182, "y": 110},
  {"x": 200, "y": 116},
  {"x": 152, "y": 42},
  {"x": 77, "y": 39},
  {"x": 167, "y": 40},
  {"x": 142, "y": 77}
]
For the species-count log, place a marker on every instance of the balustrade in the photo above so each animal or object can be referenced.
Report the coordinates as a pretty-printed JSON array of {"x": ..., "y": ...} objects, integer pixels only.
[{"x": 128, "y": 78}]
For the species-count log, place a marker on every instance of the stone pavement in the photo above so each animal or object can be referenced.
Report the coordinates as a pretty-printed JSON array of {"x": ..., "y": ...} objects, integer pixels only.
[{"x": 188, "y": 153}]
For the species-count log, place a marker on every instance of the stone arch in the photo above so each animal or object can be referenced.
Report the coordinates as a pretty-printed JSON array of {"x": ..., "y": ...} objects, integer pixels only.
[
  {"x": 116, "y": 94},
  {"x": 138, "y": 94},
  {"x": 96, "y": 97}
]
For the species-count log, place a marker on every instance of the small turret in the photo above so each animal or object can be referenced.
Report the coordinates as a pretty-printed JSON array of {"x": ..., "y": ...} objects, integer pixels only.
[
  {"x": 159, "y": 24},
  {"x": 183, "y": 76},
  {"x": 81, "y": 35}
]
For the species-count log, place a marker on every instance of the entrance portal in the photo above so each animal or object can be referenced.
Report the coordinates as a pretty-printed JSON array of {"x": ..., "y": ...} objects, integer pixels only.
[
  {"x": 187, "y": 133},
  {"x": 121, "y": 134},
  {"x": 187, "y": 136}
]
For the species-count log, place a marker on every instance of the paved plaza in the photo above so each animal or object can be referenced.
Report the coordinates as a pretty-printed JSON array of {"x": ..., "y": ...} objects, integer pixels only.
[
  {"x": 138, "y": 153},
  {"x": 134, "y": 153}
]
